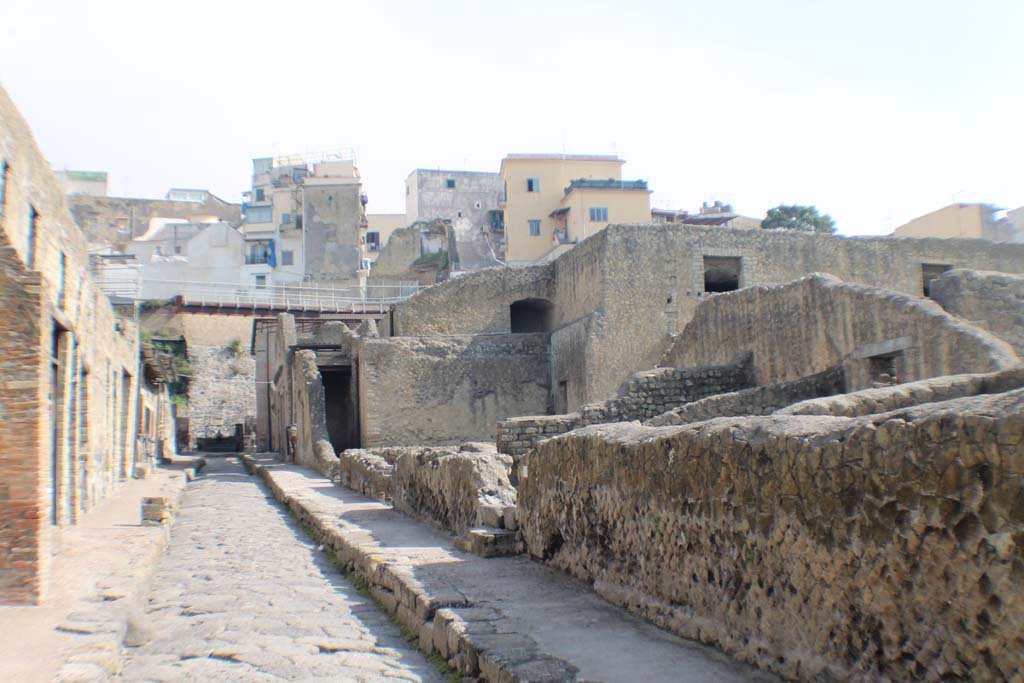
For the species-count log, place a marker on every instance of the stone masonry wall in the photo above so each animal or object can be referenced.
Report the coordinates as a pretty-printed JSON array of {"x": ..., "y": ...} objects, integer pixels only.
[
  {"x": 817, "y": 322},
  {"x": 992, "y": 301},
  {"x": 619, "y": 295},
  {"x": 881, "y": 547},
  {"x": 646, "y": 395},
  {"x": 222, "y": 389},
  {"x": 448, "y": 390},
  {"x": 762, "y": 400}
]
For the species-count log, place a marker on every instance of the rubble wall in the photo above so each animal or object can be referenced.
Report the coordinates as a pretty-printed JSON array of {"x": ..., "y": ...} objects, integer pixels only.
[
  {"x": 646, "y": 395},
  {"x": 814, "y": 323},
  {"x": 992, "y": 301},
  {"x": 885, "y": 546},
  {"x": 448, "y": 390},
  {"x": 762, "y": 400}
]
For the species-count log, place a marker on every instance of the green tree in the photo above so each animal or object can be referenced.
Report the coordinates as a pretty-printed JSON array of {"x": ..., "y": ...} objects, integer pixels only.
[{"x": 795, "y": 217}]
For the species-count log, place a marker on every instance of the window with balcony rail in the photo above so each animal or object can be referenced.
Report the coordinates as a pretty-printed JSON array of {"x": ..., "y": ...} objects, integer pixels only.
[{"x": 257, "y": 253}]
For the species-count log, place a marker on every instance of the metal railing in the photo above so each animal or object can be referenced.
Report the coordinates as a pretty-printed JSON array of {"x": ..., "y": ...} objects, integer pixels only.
[{"x": 304, "y": 297}]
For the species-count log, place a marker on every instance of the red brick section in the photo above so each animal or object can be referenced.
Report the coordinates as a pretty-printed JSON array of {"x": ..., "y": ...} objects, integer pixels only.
[{"x": 22, "y": 512}]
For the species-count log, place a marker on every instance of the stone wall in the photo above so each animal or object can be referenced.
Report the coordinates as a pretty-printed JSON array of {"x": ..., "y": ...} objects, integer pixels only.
[
  {"x": 448, "y": 390},
  {"x": 222, "y": 389},
  {"x": 992, "y": 301},
  {"x": 620, "y": 294},
  {"x": 880, "y": 547},
  {"x": 762, "y": 400},
  {"x": 646, "y": 395},
  {"x": 883, "y": 399},
  {"x": 69, "y": 369},
  {"x": 817, "y": 322},
  {"x": 453, "y": 488}
]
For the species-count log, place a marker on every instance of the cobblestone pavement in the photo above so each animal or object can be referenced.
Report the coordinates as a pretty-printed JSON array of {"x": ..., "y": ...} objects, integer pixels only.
[{"x": 243, "y": 595}]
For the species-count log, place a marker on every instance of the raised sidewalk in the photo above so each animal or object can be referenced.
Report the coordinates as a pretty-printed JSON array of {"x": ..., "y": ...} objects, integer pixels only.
[{"x": 507, "y": 618}]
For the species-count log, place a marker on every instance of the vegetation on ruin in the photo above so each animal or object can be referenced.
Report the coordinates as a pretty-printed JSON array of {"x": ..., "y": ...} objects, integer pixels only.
[{"x": 797, "y": 217}]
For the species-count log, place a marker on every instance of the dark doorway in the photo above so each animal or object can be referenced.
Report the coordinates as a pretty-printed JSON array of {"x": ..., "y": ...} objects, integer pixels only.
[
  {"x": 884, "y": 369},
  {"x": 930, "y": 271},
  {"x": 722, "y": 273},
  {"x": 341, "y": 398},
  {"x": 531, "y": 315}
]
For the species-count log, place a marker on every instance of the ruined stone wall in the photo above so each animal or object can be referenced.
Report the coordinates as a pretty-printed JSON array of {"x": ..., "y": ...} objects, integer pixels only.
[
  {"x": 116, "y": 220},
  {"x": 447, "y": 390},
  {"x": 885, "y": 546},
  {"x": 817, "y": 322},
  {"x": 762, "y": 400},
  {"x": 645, "y": 395},
  {"x": 222, "y": 386},
  {"x": 397, "y": 255},
  {"x": 992, "y": 301},
  {"x": 451, "y": 487},
  {"x": 934, "y": 390},
  {"x": 69, "y": 369},
  {"x": 621, "y": 294},
  {"x": 477, "y": 303},
  {"x": 222, "y": 390}
]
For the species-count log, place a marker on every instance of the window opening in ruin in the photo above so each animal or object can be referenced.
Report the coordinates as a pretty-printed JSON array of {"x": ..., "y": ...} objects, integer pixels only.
[
  {"x": 930, "y": 271},
  {"x": 563, "y": 397},
  {"x": 722, "y": 273},
  {"x": 531, "y": 315},
  {"x": 30, "y": 253},
  {"x": 883, "y": 369},
  {"x": 533, "y": 184},
  {"x": 341, "y": 406},
  {"x": 534, "y": 227}
]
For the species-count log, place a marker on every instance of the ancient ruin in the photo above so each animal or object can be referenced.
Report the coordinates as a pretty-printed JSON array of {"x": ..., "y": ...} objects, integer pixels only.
[{"x": 674, "y": 452}]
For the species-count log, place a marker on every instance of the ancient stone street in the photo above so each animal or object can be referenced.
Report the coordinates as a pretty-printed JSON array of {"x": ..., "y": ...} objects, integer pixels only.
[{"x": 243, "y": 595}]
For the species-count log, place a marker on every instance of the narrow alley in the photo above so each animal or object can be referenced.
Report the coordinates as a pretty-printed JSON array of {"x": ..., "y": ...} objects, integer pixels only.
[{"x": 242, "y": 594}]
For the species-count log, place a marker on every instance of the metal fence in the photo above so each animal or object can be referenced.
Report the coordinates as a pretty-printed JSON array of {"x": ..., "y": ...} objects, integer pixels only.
[{"x": 304, "y": 297}]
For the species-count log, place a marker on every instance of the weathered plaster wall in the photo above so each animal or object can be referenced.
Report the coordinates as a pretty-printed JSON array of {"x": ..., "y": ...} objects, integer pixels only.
[
  {"x": 68, "y": 369},
  {"x": 332, "y": 218},
  {"x": 402, "y": 248},
  {"x": 817, "y": 322},
  {"x": 885, "y": 546},
  {"x": 993, "y": 301},
  {"x": 447, "y": 390}
]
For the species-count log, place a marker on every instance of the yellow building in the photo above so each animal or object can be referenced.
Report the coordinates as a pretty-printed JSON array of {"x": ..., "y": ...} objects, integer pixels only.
[
  {"x": 379, "y": 229},
  {"x": 553, "y": 201},
  {"x": 959, "y": 220}
]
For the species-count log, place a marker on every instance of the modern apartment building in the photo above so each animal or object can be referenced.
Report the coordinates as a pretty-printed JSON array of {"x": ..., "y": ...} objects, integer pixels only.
[
  {"x": 552, "y": 201},
  {"x": 469, "y": 199},
  {"x": 305, "y": 220}
]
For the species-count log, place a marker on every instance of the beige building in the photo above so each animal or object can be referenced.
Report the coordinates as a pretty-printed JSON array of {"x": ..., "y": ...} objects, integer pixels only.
[
  {"x": 378, "y": 230},
  {"x": 552, "y": 201},
  {"x": 964, "y": 221},
  {"x": 710, "y": 214}
]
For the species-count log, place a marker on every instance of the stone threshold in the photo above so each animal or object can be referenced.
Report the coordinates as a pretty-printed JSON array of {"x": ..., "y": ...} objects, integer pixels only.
[{"x": 502, "y": 619}]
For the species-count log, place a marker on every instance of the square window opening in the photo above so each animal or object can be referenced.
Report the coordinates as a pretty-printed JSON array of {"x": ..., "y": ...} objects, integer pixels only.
[
  {"x": 930, "y": 271},
  {"x": 722, "y": 273}
]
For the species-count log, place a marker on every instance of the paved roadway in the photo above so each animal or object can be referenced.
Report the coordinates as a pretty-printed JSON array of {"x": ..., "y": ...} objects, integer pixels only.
[{"x": 243, "y": 595}]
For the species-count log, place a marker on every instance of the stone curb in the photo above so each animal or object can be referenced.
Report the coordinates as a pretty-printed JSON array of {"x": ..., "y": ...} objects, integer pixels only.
[
  {"x": 468, "y": 637},
  {"x": 104, "y": 631}
]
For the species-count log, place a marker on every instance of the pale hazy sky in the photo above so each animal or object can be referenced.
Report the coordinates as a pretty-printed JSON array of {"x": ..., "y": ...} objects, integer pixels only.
[{"x": 875, "y": 111}]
